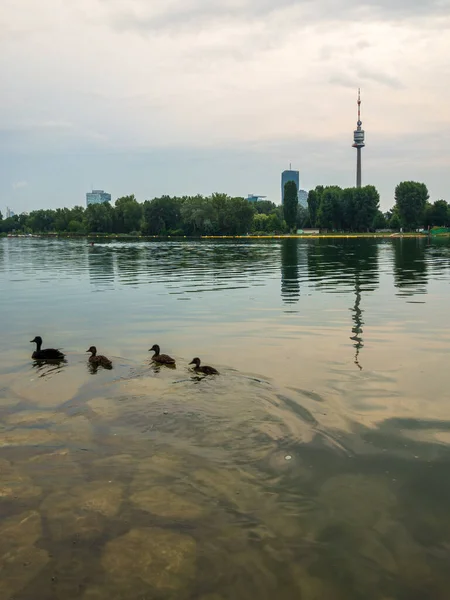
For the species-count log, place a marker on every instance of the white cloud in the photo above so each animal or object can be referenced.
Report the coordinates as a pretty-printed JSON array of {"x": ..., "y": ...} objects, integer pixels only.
[{"x": 17, "y": 185}]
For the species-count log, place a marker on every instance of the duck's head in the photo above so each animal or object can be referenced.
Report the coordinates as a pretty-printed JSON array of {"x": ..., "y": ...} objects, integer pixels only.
[
  {"x": 92, "y": 350},
  {"x": 195, "y": 361},
  {"x": 37, "y": 340},
  {"x": 154, "y": 348}
]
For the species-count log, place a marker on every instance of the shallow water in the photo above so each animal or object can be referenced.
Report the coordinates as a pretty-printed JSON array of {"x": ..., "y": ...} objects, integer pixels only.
[{"x": 314, "y": 467}]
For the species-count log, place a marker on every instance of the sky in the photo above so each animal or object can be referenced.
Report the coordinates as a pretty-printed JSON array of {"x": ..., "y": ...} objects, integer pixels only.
[{"x": 181, "y": 97}]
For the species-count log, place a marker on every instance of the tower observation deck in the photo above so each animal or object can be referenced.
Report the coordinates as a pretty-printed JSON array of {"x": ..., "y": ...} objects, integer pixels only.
[{"x": 358, "y": 142}]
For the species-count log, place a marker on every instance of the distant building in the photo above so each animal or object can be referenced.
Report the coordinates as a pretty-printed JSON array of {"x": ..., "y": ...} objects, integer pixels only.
[
  {"x": 254, "y": 198},
  {"x": 97, "y": 197},
  {"x": 9, "y": 213},
  {"x": 287, "y": 176},
  {"x": 303, "y": 198}
]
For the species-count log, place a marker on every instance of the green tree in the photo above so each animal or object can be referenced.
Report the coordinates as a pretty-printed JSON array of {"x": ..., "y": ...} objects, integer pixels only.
[
  {"x": 260, "y": 223},
  {"x": 330, "y": 213},
  {"x": 98, "y": 218},
  {"x": 127, "y": 214},
  {"x": 264, "y": 207},
  {"x": 379, "y": 221},
  {"x": 161, "y": 215},
  {"x": 440, "y": 212},
  {"x": 314, "y": 197},
  {"x": 1, "y": 216},
  {"x": 411, "y": 199},
  {"x": 290, "y": 204},
  {"x": 41, "y": 221},
  {"x": 395, "y": 221},
  {"x": 367, "y": 201},
  {"x": 200, "y": 216},
  {"x": 240, "y": 215}
]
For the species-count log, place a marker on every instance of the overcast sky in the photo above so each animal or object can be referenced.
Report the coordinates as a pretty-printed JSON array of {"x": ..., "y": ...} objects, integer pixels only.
[{"x": 157, "y": 97}]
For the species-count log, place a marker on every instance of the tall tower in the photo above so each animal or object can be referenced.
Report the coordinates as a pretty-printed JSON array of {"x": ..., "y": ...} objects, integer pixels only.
[{"x": 358, "y": 142}]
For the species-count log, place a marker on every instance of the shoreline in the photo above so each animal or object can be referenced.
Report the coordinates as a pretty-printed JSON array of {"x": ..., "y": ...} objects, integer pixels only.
[{"x": 106, "y": 236}]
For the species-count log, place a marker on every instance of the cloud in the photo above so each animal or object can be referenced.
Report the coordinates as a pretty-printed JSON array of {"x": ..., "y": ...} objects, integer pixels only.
[
  {"x": 17, "y": 185},
  {"x": 136, "y": 77}
]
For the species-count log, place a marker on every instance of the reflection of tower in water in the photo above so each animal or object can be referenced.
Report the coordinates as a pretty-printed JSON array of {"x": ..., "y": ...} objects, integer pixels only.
[
  {"x": 357, "y": 322},
  {"x": 349, "y": 264}
]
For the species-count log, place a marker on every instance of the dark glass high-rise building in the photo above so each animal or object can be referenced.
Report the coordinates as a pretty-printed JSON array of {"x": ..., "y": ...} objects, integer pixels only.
[{"x": 289, "y": 176}]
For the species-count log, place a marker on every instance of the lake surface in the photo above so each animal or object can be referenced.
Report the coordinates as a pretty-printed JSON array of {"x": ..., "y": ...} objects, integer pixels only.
[{"x": 314, "y": 467}]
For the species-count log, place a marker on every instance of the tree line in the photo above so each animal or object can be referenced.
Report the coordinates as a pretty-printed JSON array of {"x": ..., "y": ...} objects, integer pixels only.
[{"x": 329, "y": 208}]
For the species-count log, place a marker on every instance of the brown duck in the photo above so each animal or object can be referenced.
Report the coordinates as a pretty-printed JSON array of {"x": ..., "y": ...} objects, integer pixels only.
[
  {"x": 162, "y": 359},
  {"x": 98, "y": 360},
  {"x": 203, "y": 369}
]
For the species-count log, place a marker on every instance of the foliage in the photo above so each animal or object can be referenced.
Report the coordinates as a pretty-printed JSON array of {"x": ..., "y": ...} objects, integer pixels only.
[
  {"x": 290, "y": 204},
  {"x": 264, "y": 207},
  {"x": 334, "y": 208},
  {"x": 127, "y": 214},
  {"x": 160, "y": 215},
  {"x": 437, "y": 214},
  {"x": 380, "y": 221},
  {"x": 411, "y": 199},
  {"x": 330, "y": 214},
  {"x": 313, "y": 204}
]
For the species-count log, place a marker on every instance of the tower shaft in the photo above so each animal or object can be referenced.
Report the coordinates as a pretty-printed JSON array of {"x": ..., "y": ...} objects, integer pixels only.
[
  {"x": 358, "y": 167},
  {"x": 358, "y": 142}
]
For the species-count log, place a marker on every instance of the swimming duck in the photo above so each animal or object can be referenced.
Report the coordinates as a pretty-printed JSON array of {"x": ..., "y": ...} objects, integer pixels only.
[
  {"x": 204, "y": 369},
  {"x": 98, "y": 360},
  {"x": 162, "y": 359},
  {"x": 47, "y": 353}
]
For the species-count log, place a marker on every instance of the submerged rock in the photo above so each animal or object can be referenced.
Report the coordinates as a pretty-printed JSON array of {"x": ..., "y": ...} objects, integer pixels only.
[
  {"x": 76, "y": 430},
  {"x": 165, "y": 503},
  {"x": 163, "y": 559},
  {"x": 107, "y": 409},
  {"x": 36, "y": 417},
  {"x": 14, "y": 484},
  {"x": 50, "y": 469},
  {"x": 81, "y": 510},
  {"x": 29, "y": 437},
  {"x": 20, "y": 560}
]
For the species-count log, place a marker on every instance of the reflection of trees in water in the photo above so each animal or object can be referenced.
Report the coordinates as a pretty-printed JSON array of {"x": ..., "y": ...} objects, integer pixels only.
[
  {"x": 129, "y": 264},
  {"x": 410, "y": 268},
  {"x": 101, "y": 264},
  {"x": 290, "y": 287},
  {"x": 209, "y": 262},
  {"x": 352, "y": 264}
]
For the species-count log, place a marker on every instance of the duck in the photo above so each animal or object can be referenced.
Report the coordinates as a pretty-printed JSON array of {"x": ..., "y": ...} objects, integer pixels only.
[
  {"x": 162, "y": 359},
  {"x": 47, "y": 353},
  {"x": 98, "y": 360},
  {"x": 203, "y": 369}
]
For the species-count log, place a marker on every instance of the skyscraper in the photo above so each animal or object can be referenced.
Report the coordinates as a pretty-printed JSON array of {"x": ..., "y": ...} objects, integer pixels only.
[
  {"x": 303, "y": 198},
  {"x": 289, "y": 176},
  {"x": 97, "y": 197},
  {"x": 358, "y": 142}
]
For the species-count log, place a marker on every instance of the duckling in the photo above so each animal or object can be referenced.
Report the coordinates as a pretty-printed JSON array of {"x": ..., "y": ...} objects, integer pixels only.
[
  {"x": 204, "y": 369},
  {"x": 47, "y": 353},
  {"x": 162, "y": 359},
  {"x": 98, "y": 360}
]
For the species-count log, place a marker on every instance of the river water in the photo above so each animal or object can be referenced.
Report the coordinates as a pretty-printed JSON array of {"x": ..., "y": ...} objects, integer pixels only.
[{"x": 314, "y": 467}]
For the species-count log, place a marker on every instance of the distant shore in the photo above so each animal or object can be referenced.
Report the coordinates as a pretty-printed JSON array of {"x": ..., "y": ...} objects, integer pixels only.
[{"x": 107, "y": 236}]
